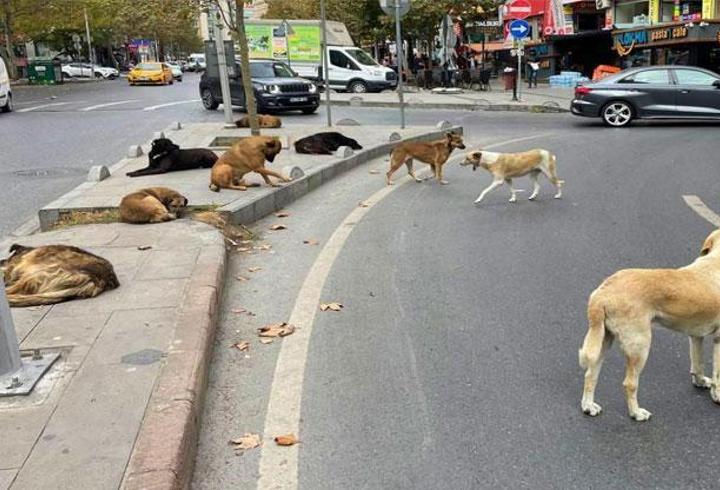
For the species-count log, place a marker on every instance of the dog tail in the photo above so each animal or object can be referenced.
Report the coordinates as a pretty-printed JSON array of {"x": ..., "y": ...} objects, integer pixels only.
[{"x": 592, "y": 345}]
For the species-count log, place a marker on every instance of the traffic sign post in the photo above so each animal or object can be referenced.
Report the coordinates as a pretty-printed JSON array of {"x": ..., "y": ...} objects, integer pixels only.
[
  {"x": 519, "y": 30},
  {"x": 398, "y": 8}
]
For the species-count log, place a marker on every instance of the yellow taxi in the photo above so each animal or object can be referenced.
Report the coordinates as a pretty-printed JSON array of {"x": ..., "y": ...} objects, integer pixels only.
[{"x": 151, "y": 73}]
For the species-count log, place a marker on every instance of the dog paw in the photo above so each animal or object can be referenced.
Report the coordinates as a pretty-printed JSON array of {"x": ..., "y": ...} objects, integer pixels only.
[
  {"x": 591, "y": 409},
  {"x": 512, "y": 199},
  {"x": 532, "y": 198},
  {"x": 418, "y": 180},
  {"x": 557, "y": 196},
  {"x": 390, "y": 183},
  {"x": 640, "y": 415},
  {"x": 715, "y": 395},
  {"x": 701, "y": 382},
  {"x": 444, "y": 182}
]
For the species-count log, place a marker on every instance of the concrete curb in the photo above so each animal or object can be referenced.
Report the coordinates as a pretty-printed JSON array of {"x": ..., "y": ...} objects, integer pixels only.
[
  {"x": 278, "y": 198},
  {"x": 165, "y": 449},
  {"x": 535, "y": 108}
]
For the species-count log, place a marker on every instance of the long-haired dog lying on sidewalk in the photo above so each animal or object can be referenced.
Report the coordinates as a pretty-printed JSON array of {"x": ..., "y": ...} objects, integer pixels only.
[
  {"x": 54, "y": 273},
  {"x": 506, "y": 166}
]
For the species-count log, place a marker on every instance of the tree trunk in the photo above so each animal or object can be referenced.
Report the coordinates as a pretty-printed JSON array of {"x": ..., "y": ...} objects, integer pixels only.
[
  {"x": 7, "y": 21},
  {"x": 245, "y": 68}
]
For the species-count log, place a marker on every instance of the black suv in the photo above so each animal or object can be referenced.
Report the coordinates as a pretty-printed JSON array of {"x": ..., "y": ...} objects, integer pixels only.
[{"x": 277, "y": 88}]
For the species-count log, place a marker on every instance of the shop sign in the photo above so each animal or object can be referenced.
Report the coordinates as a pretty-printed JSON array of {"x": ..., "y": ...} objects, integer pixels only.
[
  {"x": 627, "y": 41},
  {"x": 669, "y": 33}
]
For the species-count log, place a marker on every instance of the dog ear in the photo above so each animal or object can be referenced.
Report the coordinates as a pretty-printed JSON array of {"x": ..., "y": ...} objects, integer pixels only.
[
  {"x": 185, "y": 201},
  {"x": 708, "y": 244}
]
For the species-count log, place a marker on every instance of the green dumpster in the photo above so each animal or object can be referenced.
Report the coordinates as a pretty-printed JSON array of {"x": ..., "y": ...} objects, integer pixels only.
[{"x": 44, "y": 72}]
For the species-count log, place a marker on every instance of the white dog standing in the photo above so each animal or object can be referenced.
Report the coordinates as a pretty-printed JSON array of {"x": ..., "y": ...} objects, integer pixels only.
[{"x": 506, "y": 166}]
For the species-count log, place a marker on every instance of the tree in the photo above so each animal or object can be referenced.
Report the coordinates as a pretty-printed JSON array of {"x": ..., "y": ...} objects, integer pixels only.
[{"x": 12, "y": 11}]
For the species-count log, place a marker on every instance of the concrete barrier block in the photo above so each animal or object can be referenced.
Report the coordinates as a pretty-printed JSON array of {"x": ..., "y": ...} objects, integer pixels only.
[
  {"x": 98, "y": 173},
  {"x": 356, "y": 101},
  {"x": 444, "y": 125},
  {"x": 347, "y": 122},
  {"x": 344, "y": 152},
  {"x": 394, "y": 136},
  {"x": 176, "y": 126},
  {"x": 293, "y": 171},
  {"x": 158, "y": 135},
  {"x": 135, "y": 151}
]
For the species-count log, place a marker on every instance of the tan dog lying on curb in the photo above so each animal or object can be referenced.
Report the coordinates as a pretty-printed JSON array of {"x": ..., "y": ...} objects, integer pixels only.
[
  {"x": 247, "y": 155},
  {"x": 264, "y": 121},
  {"x": 628, "y": 302},
  {"x": 506, "y": 166},
  {"x": 434, "y": 153},
  {"x": 151, "y": 205}
]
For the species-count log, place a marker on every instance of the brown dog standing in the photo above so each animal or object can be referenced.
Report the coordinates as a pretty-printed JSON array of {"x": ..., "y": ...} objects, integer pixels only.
[
  {"x": 247, "y": 155},
  {"x": 151, "y": 205},
  {"x": 264, "y": 121},
  {"x": 434, "y": 153}
]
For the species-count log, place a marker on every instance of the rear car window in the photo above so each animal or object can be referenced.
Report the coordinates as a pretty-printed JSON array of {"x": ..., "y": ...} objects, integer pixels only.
[
  {"x": 655, "y": 77},
  {"x": 694, "y": 77}
]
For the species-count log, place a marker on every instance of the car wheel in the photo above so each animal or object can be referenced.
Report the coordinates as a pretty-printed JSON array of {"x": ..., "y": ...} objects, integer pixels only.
[
  {"x": 358, "y": 87},
  {"x": 172, "y": 81},
  {"x": 309, "y": 110},
  {"x": 617, "y": 114},
  {"x": 208, "y": 100},
  {"x": 8, "y": 107},
  {"x": 98, "y": 76}
]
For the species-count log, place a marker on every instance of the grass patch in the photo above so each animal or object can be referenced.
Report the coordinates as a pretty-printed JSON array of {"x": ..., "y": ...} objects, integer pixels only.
[{"x": 78, "y": 218}]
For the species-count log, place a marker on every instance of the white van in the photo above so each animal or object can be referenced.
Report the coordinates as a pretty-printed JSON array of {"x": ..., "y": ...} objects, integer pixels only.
[
  {"x": 6, "y": 104},
  {"x": 354, "y": 70},
  {"x": 196, "y": 62}
]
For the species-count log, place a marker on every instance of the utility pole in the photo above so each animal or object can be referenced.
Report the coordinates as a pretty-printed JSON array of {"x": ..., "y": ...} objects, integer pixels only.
[
  {"x": 400, "y": 58},
  {"x": 326, "y": 75},
  {"x": 91, "y": 55},
  {"x": 223, "y": 71}
]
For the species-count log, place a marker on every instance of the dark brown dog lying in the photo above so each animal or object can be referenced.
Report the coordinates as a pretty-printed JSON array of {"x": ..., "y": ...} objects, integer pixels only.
[
  {"x": 434, "y": 153},
  {"x": 247, "y": 155},
  {"x": 264, "y": 121},
  {"x": 54, "y": 273},
  {"x": 325, "y": 143},
  {"x": 166, "y": 156},
  {"x": 151, "y": 205}
]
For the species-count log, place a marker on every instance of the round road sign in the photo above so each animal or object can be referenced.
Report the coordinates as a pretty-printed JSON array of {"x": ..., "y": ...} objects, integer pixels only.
[
  {"x": 388, "y": 6},
  {"x": 519, "y": 9}
]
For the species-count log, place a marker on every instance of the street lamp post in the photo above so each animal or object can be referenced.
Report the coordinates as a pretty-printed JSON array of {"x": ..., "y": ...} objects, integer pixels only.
[
  {"x": 326, "y": 75},
  {"x": 400, "y": 58},
  {"x": 223, "y": 72}
]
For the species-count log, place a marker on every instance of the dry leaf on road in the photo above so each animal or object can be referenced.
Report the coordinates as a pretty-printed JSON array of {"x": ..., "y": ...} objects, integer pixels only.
[
  {"x": 363, "y": 204},
  {"x": 277, "y": 227},
  {"x": 276, "y": 330},
  {"x": 286, "y": 440},
  {"x": 244, "y": 249},
  {"x": 331, "y": 306},
  {"x": 282, "y": 214},
  {"x": 242, "y": 278},
  {"x": 254, "y": 269},
  {"x": 266, "y": 341},
  {"x": 264, "y": 246},
  {"x": 310, "y": 241},
  {"x": 245, "y": 311},
  {"x": 374, "y": 171},
  {"x": 144, "y": 247},
  {"x": 242, "y": 346},
  {"x": 248, "y": 441}
]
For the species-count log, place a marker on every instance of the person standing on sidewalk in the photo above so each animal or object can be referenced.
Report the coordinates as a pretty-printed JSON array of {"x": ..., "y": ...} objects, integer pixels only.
[{"x": 532, "y": 69}]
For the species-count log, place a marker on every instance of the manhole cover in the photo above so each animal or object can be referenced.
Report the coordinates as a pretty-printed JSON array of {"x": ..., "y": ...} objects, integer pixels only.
[{"x": 50, "y": 172}]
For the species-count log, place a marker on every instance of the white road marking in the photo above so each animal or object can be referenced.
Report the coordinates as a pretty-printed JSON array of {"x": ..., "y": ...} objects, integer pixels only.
[
  {"x": 109, "y": 104},
  {"x": 168, "y": 104},
  {"x": 700, "y": 208},
  {"x": 43, "y": 106},
  {"x": 279, "y": 465}
]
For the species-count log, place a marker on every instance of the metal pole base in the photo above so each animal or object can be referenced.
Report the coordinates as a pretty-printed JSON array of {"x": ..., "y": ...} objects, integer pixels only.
[{"x": 22, "y": 382}]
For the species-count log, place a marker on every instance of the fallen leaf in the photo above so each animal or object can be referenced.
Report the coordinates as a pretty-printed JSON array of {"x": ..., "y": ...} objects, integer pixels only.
[
  {"x": 374, "y": 171},
  {"x": 264, "y": 246},
  {"x": 277, "y": 227},
  {"x": 244, "y": 249},
  {"x": 276, "y": 330},
  {"x": 286, "y": 440},
  {"x": 242, "y": 278},
  {"x": 266, "y": 341},
  {"x": 310, "y": 241},
  {"x": 254, "y": 269},
  {"x": 245, "y": 242},
  {"x": 144, "y": 247},
  {"x": 232, "y": 242},
  {"x": 363, "y": 204},
  {"x": 242, "y": 346},
  {"x": 248, "y": 441},
  {"x": 282, "y": 214},
  {"x": 240, "y": 311},
  {"x": 331, "y": 306}
]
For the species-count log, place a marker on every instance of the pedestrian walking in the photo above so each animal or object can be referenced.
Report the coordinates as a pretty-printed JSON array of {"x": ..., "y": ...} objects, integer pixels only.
[{"x": 533, "y": 69}]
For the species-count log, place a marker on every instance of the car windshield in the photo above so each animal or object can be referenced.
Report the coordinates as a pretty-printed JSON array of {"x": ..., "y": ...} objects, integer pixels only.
[
  {"x": 270, "y": 70},
  {"x": 148, "y": 66},
  {"x": 362, "y": 57}
]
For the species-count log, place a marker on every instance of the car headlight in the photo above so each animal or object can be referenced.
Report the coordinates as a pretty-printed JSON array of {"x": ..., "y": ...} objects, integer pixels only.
[
  {"x": 376, "y": 73},
  {"x": 312, "y": 88},
  {"x": 273, "y": 89}
]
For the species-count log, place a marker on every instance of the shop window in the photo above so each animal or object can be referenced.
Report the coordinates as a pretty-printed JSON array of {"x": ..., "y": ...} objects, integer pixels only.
[
  {"x": 654, "y": 77},
  {"x": 677, "y": 56},
  {"x": 630, "y": 14},
  {"x": 667, "y": 12},
  {"x": 691, "y": 11},
  {"x": 639, "y": 57},
  {"x": 694, "y": 77}
]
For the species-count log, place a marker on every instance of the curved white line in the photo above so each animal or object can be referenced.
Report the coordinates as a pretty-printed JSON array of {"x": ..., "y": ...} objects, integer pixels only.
[
  {"x": 168, "y": 104},
  {"x": 700, "y": 208},
  {"x": 109, "y": 104},
  {"x": 279, "y": 465}
]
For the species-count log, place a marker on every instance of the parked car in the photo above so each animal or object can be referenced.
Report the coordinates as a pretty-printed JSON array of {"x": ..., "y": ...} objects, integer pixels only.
[
  {"x": 657, "y": 92},
  {"x": 86, "y": 70},
  {"x": 176, "y": 71},
  {"x": 276, "y": 87},
  {"x": 152, "y": 73},
  {"x": 6, "y": 102}
]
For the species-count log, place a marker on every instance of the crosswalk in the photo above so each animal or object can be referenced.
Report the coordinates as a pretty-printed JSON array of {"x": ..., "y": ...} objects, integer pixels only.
[{"x": 82, "y": 106}]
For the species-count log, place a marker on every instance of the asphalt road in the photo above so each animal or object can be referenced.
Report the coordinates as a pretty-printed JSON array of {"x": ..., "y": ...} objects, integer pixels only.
[{"x": 454, "y": 361}]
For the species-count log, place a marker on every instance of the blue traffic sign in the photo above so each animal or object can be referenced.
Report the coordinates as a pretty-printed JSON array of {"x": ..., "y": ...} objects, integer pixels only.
[{"x": 519, "y": 29}]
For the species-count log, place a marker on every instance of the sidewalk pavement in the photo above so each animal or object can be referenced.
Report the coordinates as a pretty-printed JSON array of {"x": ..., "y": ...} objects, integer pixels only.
[
  {"x": 245, "y": 207},
  {"x": 541, "y": 99},
  {"x": 122, "y": 403}
]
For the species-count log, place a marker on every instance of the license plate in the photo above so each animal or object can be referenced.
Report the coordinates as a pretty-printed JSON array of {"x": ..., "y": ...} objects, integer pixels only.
[
  {"x": 298, "y": 99},
  {"x": 143, "y": 78}
]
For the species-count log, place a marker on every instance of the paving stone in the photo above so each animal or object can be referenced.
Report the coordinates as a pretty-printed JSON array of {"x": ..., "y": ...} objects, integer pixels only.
[
  {"x": 20, "y": 429},
  {"x": 60, "y": 331},
  {"x": 88, "y": 439},
  {"x": 6, "y": 477},
  {"x": 25, "y": 319},
  {"x": 167, "y": 264}
]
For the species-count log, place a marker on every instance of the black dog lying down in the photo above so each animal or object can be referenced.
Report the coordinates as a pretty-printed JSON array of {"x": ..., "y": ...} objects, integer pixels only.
[
  {"x": 166, "y": 156},
  {"x": 324, "y": 143}
]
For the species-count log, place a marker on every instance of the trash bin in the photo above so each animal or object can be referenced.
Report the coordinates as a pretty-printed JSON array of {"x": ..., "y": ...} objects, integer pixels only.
[
  {"x": 44, "y": 72},
  {"x": 508, "y": 77}
]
